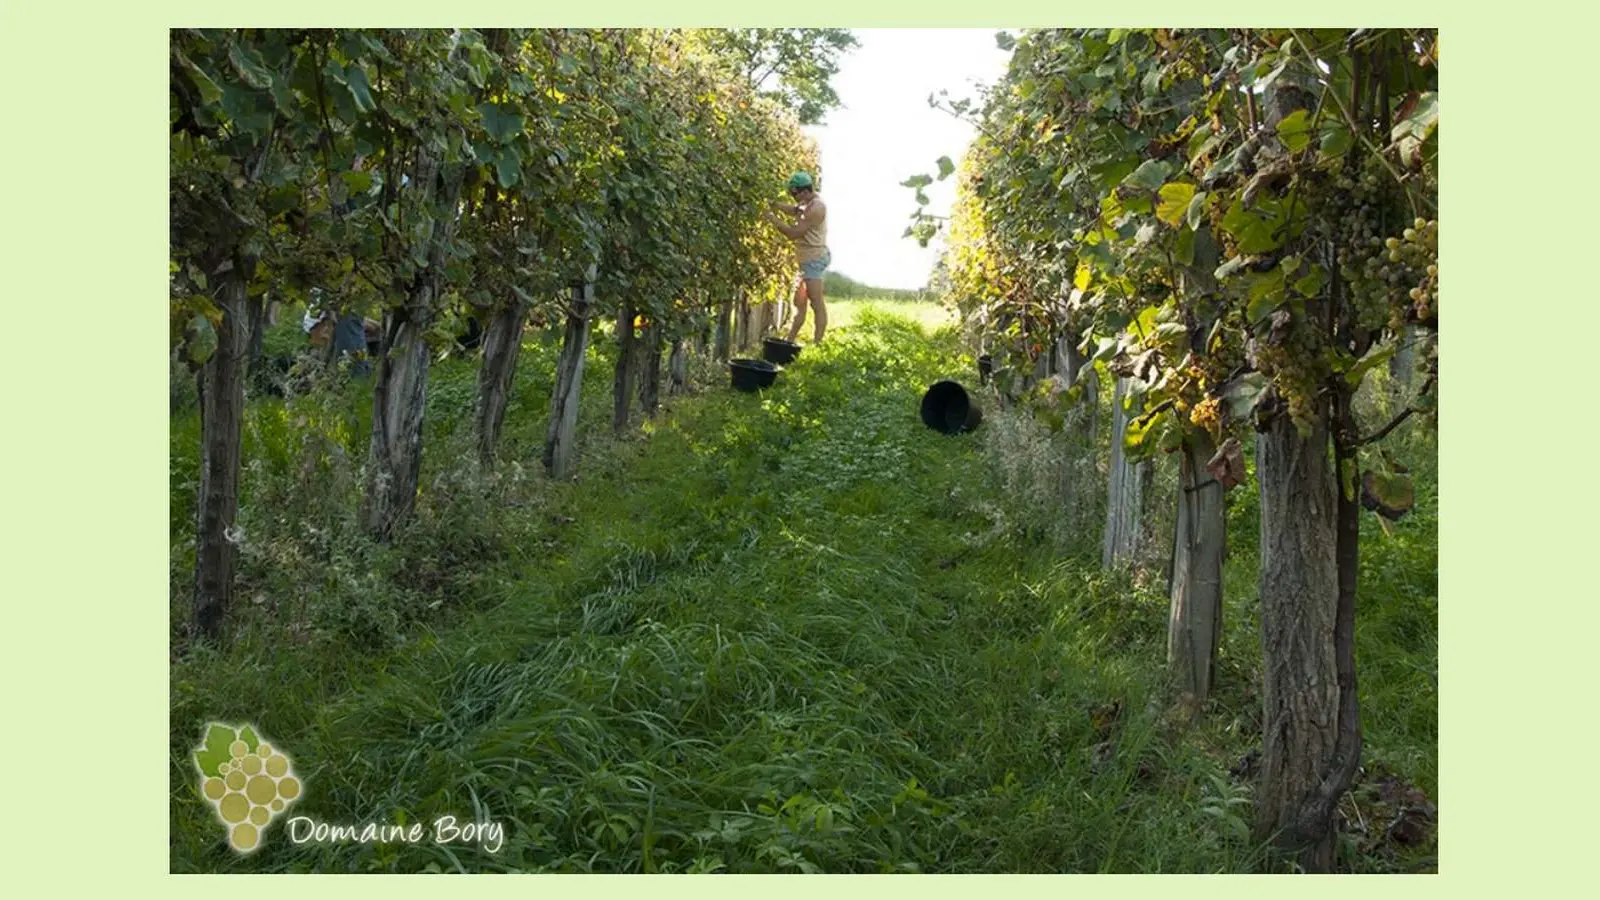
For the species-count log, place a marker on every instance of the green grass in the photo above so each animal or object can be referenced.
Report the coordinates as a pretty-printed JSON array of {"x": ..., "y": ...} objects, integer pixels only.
[
  {"x": 845, "y": 313},
  {"x": 769, "y": 633}
]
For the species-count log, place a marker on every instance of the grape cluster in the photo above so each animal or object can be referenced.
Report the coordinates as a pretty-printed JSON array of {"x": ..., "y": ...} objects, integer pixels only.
[
  {"x": 248, "y": 790},
  {"x": 1207, "y": 414},
  {"x": 1292, "y": 357},
  {"x": 1392, "y": 280},
  {"x": 1417, "y": 249},
  {"x": 1210, "y": 372},
  {"x": 1373, "y": 281}
]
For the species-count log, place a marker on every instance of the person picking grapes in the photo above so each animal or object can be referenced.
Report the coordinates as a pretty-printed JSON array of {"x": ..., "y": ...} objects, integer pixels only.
[{"x": 809, "y": 232}]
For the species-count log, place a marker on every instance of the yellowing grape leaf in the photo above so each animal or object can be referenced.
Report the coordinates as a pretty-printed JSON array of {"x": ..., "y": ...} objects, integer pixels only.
[{"x": 1175, "y": 199}]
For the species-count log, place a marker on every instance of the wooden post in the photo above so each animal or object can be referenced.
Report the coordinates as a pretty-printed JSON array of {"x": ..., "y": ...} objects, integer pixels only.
[
  {"x": 724, "y": 339},
  {"x": 741, "y": 329},
  {"x": 678, "y": 368},
  {"x": 1125, "y": 487}
]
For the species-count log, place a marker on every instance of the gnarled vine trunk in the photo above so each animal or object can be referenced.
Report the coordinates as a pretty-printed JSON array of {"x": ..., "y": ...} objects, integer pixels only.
[
  {"x": 502, "y": 343},
  {"x": 399, "y": 396},
  {"x": 560, "y": 436},
  {"x": 678, "y": 368},
  {"x": 400, "y": 390},
  {"x": 1347, "y": 750},
  {"x": 221, "y": 387},
  {"x": 1194, "y": 619},
  {"x": 1300, "y": 593},
  {"x": 622, "y": 381},
  {"x": 650, "y": 374}
]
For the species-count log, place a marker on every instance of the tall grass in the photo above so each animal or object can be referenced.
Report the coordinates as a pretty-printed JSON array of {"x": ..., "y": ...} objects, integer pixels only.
[{"x": 787, "y": 632}]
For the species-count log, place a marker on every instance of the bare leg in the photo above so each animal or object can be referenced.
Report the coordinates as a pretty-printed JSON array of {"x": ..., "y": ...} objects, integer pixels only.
[
  {"x": 799, "y": 311},
  {"x": 814, "y": 291}
]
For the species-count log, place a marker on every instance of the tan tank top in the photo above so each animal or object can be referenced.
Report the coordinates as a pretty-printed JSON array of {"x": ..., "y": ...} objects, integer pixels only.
[{"x": 813, "y": 243}]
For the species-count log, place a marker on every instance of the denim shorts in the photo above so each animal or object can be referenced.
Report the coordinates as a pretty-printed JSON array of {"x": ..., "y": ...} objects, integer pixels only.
[{"x": 813, "y": 270}]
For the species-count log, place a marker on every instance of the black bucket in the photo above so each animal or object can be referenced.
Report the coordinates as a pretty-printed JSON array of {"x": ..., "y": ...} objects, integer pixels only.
[
  {"x": 985, "y": 368},
  {"x": 779, "y": 351},
  {"x": 947, "y": 408},
  {"x": 751, "y": 375}
]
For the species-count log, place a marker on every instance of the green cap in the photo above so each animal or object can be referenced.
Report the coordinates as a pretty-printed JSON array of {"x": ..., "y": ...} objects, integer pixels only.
[{"x": 799, "y": 180}]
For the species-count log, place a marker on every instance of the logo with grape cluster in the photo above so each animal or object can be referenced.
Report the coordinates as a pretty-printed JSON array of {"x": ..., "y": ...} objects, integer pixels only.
[{"x": 248, "y": 782}]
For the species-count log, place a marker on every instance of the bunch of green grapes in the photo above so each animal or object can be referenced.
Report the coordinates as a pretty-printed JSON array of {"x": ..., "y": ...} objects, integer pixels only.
[
  {"x": 1373, "y": 279},
  {"x": 249, "y": 790},
  {"x": 1225, "y": 357},
  {"x": 1293, "y": 360},
  {"x": 1417, "y": 249}
]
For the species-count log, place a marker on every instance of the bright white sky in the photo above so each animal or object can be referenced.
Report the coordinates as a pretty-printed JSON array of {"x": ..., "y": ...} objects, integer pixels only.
[{"x": 885, "y": 133}]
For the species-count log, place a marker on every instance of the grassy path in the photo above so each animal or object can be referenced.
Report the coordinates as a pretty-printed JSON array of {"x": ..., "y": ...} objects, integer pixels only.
[{"x": 775, "y": 633}]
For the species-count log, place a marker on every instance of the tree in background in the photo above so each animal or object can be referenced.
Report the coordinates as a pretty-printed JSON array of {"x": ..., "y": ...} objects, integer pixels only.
[{"x": 793, "y": 66}]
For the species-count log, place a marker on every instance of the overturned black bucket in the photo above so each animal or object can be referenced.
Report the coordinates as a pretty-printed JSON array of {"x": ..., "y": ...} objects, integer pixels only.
[
  {"x": 947, "y": 408},
  {"x": 750, "y": 375},
  {"x": 779, "y": 351}
]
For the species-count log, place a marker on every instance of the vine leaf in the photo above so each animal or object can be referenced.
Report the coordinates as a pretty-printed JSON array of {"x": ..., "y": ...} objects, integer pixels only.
[
  {"x": 1184, "y": 251},
  {"x": 210, "y": 93},
  {"x": 1239, "y": 396},
  {"x": 1176, "y": 198},
  {"x": 1336, "y": 138},
  {"x": 502, "y": 125},
  {"x": 1253, "y": 233},
  {"x": 1265, "y": 295},
  {"x": 251, "y": 67},
  {"x": 508, "y": 167},
  {"x": 1294, "y": 130},
  {"x": 1082, "y": 278},
  {"x": 201, "y": 339},
  {"x": 1197, "y": 210},
  {"x": 1377, "y": 357},
  {"x": 1390, "y": 496},
  {"x": 1149, "y": 175},
  {"x": 1416, "y": 126},
  {"x": 1309, "y": 284},
  {"x": 360, "y": 90}
]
